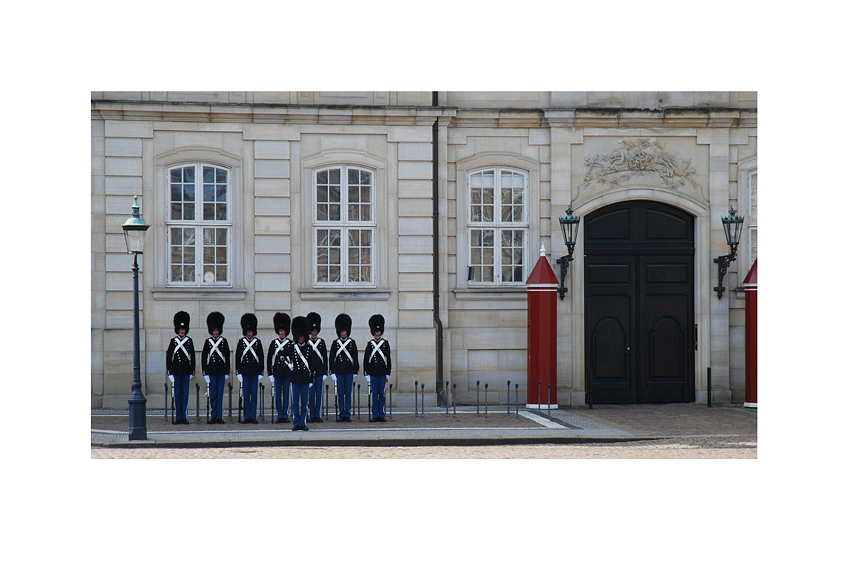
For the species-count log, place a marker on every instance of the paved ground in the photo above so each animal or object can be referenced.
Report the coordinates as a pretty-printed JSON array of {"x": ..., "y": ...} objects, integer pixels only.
[{"x": 666, "y": 431}]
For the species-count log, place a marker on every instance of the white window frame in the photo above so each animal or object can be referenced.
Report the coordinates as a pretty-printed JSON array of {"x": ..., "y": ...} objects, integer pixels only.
[
  {"x": 497, "y": 225},
  {"x": 344, "y": 225},
  {"x": 198, "y": 225},
  {"x": 752, "y": 217}
]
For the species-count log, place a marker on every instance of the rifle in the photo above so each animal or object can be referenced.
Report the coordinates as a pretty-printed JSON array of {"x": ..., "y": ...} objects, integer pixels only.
[
  {"x": 272, "y": 398},
  {"x": 240, "y": 402},
  {"x": 208, "y": 403},
  {"x": 172, "y": 400}
]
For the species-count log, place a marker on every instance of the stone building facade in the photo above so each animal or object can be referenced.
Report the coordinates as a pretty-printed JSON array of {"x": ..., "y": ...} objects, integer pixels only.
[{"x": 315, "y": 201}]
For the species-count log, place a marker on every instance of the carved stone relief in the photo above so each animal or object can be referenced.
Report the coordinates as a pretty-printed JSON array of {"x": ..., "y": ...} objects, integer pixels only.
[{"x": 640, "y": 158}]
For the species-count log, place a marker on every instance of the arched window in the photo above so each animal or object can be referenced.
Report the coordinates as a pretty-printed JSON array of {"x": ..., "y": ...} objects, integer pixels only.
[
  {"x": 498, "y": 226},
  {"x": 199, "y": 225},
  {"x": 344, "y": 225}
]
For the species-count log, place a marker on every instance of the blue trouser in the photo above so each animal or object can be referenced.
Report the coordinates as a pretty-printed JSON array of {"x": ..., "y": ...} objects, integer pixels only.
[
  {"x": 316, "y": 397},
  {"x": 300, "y": 393},
  {"x": 379, "y": 385},
  {"x": 216, "y": 387},
  {"x": 181, "y": 396},
  {"x": 281, "y": 396},
  {"x": 250, "y": 385},
  {"x": 344, "y": 382}
]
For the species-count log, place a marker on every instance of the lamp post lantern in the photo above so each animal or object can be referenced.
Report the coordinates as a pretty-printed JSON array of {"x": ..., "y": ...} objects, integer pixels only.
[
  {"x": 569, "y": 226},
  {"x": 732, "y": 230},
  {"x": 134, "y": 234}
]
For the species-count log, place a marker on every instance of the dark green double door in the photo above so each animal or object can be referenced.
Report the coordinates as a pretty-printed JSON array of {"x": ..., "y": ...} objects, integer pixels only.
[{"x": 639, "y": 303}]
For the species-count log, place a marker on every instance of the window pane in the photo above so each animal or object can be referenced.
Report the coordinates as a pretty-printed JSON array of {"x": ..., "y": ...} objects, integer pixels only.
[
  {"x": 175, "y": 192},
  {"x": 209, "y": 255},
  {"x": 321, "y": 194},
  {"x": 365, "y": 178},
  {"x": 221, "y": 176},
  {"x": 189, "y": 273},
  {"x": 322, "y": 212},
  {"x": 221, "y": 212},
  {"x": 177, "y": 273},
  {"x": 487, "y": 196},
  {"x": 365, "y": 213},
  {"x": 209, "y": 236},
  {"x": 334, "y": 213},
  {"x": 189, "y": 211},
  {"x": 366, "y": 274},
  {"x": 354, "y": 274},
  {"x": 334, "y": 194},
  {"x": 335, "y": 255},
  {"x": 353, "y": 176},
  {"x": 176, "y": 254},
  {"x": 353, "y": 213},
  {"x": 334, "y": 273},
  {"x": 221, "y": 236},
  {"x": 487, "y": 213},
  {"x": 176, "y": 175},
  {"x": 209, "y": 193},
  {"x": 189, "y": 174},
  {"x": 209, "y": 175},
  {"x": 189, "y": 255},
  {"x": 209, "y": 211},
  {"x": 322, "y": 177},
  {"x": 176, "y": 211},
  {"x": 221, "y": 273},
  {"x": 334, "y": 176}
]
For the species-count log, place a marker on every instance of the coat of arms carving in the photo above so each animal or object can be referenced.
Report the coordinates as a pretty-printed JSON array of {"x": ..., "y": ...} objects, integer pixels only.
[{"x": 638, "y": 158}]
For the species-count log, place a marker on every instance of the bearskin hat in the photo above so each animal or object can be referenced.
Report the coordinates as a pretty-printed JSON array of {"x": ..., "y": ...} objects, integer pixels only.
[
  {"x": 315, "y": 321},
  {"x": 300, "y": 327},
  {"x": 281, "y": 321},
  {"x": 249, "y": 323},
  {"x": 376, "y": 323},
  {"x": 215, "y": 320},
  {"x": 181, "y": 321},
  {"x": 342, "y": 323}
]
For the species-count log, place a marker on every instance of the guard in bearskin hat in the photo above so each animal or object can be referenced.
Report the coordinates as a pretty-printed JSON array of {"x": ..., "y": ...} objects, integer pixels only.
[
  {"x": 278, "y": 366},
  {"x": 180, "y": 365},
  {"x": 343, "y": 363},
  {"x": 319, "y": 364},
  {"x": 302, "y": 374},
  {"x": 377, "y": 365},
  {"x": 249, "y": 365},
  {"x": 215, "y": 364}
]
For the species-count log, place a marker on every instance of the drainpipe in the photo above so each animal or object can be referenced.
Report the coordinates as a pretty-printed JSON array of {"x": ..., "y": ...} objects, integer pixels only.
[{"x": 436, "y": 216}]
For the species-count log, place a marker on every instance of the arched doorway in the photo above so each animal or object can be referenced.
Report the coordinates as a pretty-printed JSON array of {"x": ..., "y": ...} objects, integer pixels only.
[{"x": 639, "y": 303}]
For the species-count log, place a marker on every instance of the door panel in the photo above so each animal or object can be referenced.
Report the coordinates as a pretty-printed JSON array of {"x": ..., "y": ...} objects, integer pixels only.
[{"x": 639, "y": 303}]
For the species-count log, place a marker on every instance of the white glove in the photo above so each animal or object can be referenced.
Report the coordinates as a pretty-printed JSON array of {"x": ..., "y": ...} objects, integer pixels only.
[
  {"x": 206, "y": 379},
  {"x": 171, "y": 377},
  {"x": 289, "y": 364},
  {"x": 334, "y": 377},
  {"x": 271, "y": 378},
  {"x": 368, "y": 379},
  {"x": 240, "y": 378}
]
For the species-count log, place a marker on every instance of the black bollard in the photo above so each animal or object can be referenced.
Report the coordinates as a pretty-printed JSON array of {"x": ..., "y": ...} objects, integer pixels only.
[
  {"x": 485, "y": 401},
  {"x": 391, "y": 400},
  {"x": 454, "y": 400},
  {"x": 509, "y": 398},
  {"x": 548, "y": 400},
  {"x": 415, "y": 397},
  {"x": 708, "y": 384},
  {"x": 516, "y": 389},
  {"x": 477, "y": 396},
  {"x": 423, "y": 400},
  {"x": 230, "y": 400},
  {"x": 198, "y": 402}
]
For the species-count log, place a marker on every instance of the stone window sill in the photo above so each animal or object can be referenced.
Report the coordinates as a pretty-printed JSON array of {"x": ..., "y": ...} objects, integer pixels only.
[
  {"x": 194, "y": 293},
  {"x": 347, "y": 294},
  {"x": 490, "y": 294}
]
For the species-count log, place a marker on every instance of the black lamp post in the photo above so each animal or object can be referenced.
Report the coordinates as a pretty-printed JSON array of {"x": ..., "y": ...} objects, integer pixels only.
[
  {"x": 732, "y": 229},
  {"x": 569, "y": 226},
  {"x": 134, "y": 234}
]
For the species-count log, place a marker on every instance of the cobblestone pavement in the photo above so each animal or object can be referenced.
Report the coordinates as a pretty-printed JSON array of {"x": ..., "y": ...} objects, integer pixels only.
[
  {"x": 703, "y": 447},
  {"x": 669, "y": 431}
]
